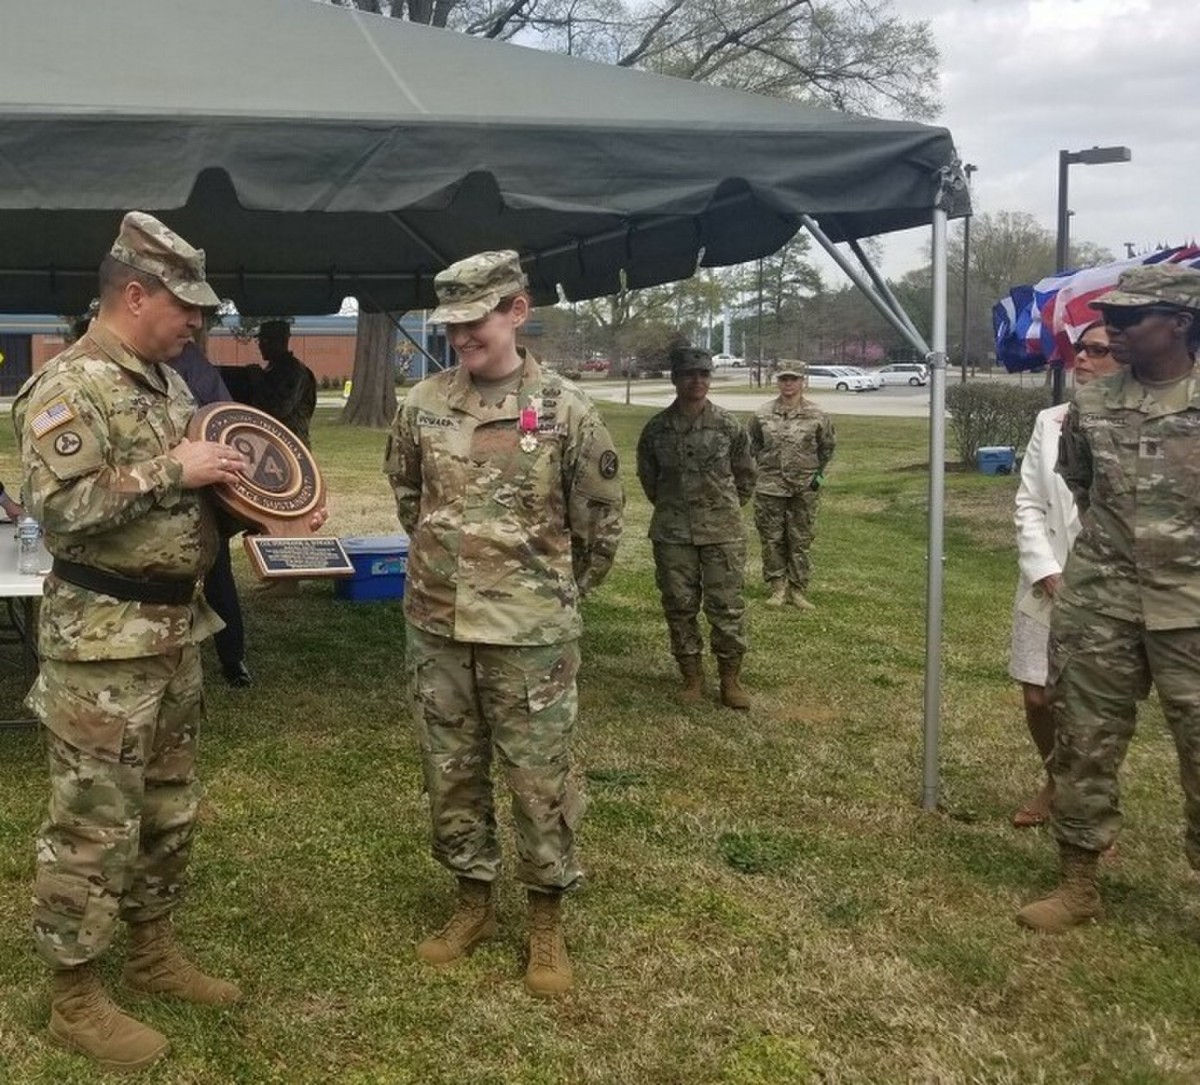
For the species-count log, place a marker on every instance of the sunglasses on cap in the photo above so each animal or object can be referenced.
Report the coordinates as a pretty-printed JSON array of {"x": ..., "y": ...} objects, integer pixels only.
[
  {"x": 1122, "y": 317},
  {"x": 1093, "y": 350}
]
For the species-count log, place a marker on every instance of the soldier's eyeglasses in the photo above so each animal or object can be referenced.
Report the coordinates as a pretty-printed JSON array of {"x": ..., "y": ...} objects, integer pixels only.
[
  {"x": 1093, "y": 350},
  {"x": 1122, "y": 318}
]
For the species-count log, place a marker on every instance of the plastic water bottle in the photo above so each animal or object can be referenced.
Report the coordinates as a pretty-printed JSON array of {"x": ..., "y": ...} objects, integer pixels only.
[{"x": 29, "y": 535}]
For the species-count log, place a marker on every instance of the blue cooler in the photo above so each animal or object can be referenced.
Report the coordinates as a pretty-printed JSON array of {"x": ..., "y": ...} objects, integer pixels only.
[
  {"x": 996, "y": 459},
  {"x": 380, "y": 563}
]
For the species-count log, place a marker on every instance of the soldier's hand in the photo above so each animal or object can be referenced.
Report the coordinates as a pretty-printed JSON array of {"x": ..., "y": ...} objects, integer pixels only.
[
  {"x": 317, "y": 519},
  {"x": 206, "y": 462}
]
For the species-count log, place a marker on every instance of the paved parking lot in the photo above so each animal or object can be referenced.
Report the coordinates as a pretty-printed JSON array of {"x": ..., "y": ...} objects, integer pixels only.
[{"x": 735, "y": 394}]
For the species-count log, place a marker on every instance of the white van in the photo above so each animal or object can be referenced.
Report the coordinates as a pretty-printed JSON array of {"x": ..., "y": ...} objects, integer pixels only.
[
  {"x": 839, "y": 378},
  {"x": 905, "y": 373}
]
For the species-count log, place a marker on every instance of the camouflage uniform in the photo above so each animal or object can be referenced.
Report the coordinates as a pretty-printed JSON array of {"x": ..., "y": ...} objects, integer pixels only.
[
  {"x": 514, "y": 512},
  {"x": 697, "y": 473},
  {"x": 1128, "y": 612},
  {"x": 792, "y": 447},
  {"x": 288, "y": 392},
  {"x": 119, "y": 689}
]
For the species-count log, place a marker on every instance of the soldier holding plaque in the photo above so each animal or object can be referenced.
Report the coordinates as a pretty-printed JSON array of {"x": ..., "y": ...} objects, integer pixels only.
[{"x": 119, "y": 491}]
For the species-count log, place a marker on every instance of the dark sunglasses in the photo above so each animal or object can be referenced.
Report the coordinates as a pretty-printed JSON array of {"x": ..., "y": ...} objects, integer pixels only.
[
  {"x": 1093, "y": 350},
  {"x": 1122, "y": 317}
]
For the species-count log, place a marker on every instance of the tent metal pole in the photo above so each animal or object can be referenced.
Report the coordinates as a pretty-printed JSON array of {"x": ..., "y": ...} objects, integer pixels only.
[
  {"x": 881, "y": 285},
  {"x": 937, "y": 502},
  {"x": 902, "y": 325}
]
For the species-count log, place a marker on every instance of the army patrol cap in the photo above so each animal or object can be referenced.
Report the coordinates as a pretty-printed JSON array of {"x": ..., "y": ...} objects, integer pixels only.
[
  {"x": 690, "y": 359},
  {"x": 471, "y": 288},
  {"x": 146, "y": 244},
  {"x": 1158, "y": 284},
  {"x": 791, "y": 369}
]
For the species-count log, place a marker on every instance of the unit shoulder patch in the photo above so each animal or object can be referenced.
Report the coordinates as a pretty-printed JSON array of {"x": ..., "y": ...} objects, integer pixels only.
[{"x": 68, "y": 443}]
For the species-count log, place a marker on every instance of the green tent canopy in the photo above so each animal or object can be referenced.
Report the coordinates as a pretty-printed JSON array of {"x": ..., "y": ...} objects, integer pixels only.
[{"x": 316, "y": 152}]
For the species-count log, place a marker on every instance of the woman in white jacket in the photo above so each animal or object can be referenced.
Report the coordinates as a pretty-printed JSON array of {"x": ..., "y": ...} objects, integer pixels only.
[{"x": 1047, "y": 524}]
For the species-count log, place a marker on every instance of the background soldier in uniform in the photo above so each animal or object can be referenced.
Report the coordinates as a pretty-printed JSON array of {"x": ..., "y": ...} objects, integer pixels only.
[
  {"x": 116, "y": 484},
  {"x": 792, "y": 441},
  {"x": 506, "y": 482},
  {"x": 1127, "y": 613},
  {"x": 286, "y": 389},
  {"x": 695, "y": 466}
]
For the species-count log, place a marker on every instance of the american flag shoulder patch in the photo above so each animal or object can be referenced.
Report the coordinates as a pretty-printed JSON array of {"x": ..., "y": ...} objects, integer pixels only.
[{"x": 52, "y": 416}]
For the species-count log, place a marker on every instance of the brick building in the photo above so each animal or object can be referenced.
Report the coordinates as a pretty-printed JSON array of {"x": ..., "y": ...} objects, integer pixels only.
[{"x": 324, "y": 343}]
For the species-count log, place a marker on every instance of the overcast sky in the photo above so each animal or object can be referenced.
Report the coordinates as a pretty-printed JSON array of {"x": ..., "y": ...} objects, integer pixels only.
[{"x": 1022, "y": 79}]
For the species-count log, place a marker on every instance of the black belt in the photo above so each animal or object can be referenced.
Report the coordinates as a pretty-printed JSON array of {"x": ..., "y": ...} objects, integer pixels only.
[{"x": 163, "y": 592}]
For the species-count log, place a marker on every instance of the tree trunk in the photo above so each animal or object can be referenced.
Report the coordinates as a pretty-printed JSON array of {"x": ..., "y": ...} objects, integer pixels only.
[{"x": 373, "y": 394}]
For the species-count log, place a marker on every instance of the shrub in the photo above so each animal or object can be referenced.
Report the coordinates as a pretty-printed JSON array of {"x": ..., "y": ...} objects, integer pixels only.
[{"x": 992, "y": 414}]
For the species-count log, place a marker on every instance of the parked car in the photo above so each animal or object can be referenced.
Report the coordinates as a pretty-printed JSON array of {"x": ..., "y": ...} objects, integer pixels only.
[
  {"x": 875, "y": 380},
  {"x": 913, "y": 373},
  {"x": 840, "y": 378},
  {"x": 724, "y": 361},
  {"x": 596, "y": 365}
]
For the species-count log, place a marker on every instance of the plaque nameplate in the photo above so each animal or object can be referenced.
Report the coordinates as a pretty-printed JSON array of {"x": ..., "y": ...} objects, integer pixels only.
[{"x": 317, "y": 555}]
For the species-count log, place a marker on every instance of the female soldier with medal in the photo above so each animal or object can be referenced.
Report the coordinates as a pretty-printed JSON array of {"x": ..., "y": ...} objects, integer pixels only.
[{"x": 506, "y": 482}]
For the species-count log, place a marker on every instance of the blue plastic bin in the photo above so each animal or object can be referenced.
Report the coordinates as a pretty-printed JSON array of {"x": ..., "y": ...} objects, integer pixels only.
[
  {"x": 380, "y": 564},
  {"x": 996, "y": 459}
]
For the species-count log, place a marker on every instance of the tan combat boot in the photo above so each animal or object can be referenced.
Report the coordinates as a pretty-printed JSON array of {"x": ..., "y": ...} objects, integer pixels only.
[
  {"x": 156, "y": 966},
  {"x": 473, "y": 921},
  {"x": 83, "y": 1018},
  {"x": 732, "y": 693},
  {"x": 549, "y": 972},
  {"x": 796, "y": 599},
  {"x": 693, "y": 680},
  {"x": 1075, "y": 901},
  {"x": 779, "y": 594}
]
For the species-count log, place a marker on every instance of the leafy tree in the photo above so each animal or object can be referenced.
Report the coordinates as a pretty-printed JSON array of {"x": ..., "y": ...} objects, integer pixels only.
[
  {"x": 628, "y": 320},
  {"x": 840, "y": 326},
  {"x": 787, "y": 283},
  {"x": 849, "y": 54}
]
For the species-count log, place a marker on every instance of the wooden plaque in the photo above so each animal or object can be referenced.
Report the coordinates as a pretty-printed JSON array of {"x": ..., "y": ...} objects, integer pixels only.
[{"x": 275, "y": 495}]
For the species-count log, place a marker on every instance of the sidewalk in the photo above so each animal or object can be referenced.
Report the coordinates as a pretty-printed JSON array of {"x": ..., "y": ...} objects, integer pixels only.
[{"x": 887, "y": 403}]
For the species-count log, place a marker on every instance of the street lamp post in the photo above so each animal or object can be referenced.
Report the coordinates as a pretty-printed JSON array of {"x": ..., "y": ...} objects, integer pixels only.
[
  {"x": 968, "y": 169},
  {"x": 1093, "y": 156}
]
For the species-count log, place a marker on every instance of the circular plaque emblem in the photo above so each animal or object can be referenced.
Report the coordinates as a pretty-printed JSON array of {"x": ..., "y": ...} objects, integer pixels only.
[{"x": 281, "y": 483}]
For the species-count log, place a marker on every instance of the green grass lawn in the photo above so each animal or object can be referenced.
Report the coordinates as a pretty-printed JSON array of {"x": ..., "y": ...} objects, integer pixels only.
[{"x": 767, "y": 902}]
